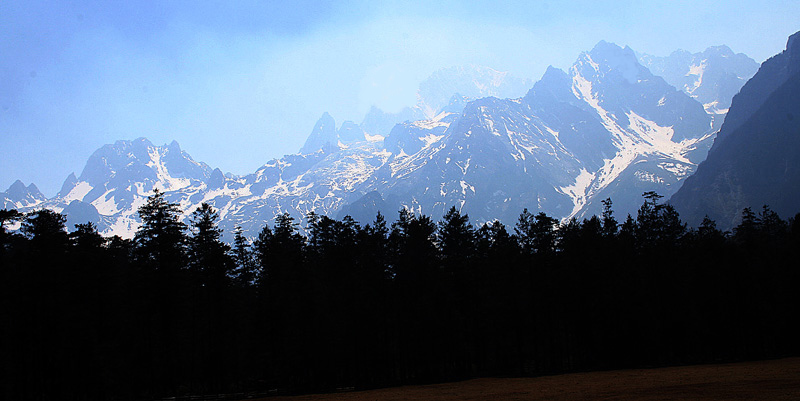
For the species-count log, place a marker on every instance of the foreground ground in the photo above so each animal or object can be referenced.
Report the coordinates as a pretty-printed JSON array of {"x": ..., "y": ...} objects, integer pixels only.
[{"x": 765, "y": 380}]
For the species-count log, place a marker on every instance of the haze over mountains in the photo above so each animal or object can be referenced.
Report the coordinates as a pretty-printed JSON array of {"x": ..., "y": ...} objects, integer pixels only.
[
  {"x": 478, "y": 139},
  {"x": 724, "y": 73}
]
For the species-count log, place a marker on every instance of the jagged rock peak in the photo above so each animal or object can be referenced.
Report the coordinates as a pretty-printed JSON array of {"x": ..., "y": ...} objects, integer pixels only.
[
  {"x": 68, "y": 184},
  {"x": 17, "y": 187},
  {"x": 216, "y": 180},
  {"x": 33, "y": 189},
  {"x": 18, "y": 195},
  {"x": 19, "y": 191},
  {"x": 606, "y": 56},
  {"x": 322, "y": 136}
]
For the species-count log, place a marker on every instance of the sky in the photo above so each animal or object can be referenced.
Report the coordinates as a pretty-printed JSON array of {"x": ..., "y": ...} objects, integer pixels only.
[{"x": 238, "y": 83}]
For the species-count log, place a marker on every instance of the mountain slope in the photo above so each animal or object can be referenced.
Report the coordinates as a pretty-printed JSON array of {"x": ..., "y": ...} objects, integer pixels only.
[{"x": 754, "y": 160}]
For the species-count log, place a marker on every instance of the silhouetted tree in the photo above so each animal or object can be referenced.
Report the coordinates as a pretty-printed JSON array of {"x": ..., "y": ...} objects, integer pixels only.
[
  {"x": 208, "y": 254},
  {"x": 172, "y": 314},
  {"x": 246, "y": 267},
  {"x": 610, "y": 225},
  {"x": 161, "y": 239},
  {"x": 747, "y": 231},
  {"x": 537, "y": 234},
  {"x": 455, "y": 237},
  {"x": 46, "y": 229}
]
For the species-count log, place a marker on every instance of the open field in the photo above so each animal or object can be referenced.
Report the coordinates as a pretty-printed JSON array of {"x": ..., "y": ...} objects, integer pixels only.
[{"x": 764, "y": 380}]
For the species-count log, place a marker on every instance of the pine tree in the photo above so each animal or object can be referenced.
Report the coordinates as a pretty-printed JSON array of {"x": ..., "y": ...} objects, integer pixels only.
[
  {"x": 747, "y": 232},
  {"x": 772, "y": 227},
  {"x": 610, "y": 225},
  {"x": 455, "y": 236},
  {"x": 708, "y": 234},
  {"x": 537, "y": 234},
  {"x": 161, "y": 240},
  {"x": 246, "y": 267},
  {"x": 208, "y": 254},
  {"x": 86, "y": 237}
]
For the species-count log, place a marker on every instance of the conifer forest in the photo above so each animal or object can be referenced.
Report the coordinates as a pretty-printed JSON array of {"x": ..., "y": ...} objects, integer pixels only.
[{"x": 325, "y": 304}]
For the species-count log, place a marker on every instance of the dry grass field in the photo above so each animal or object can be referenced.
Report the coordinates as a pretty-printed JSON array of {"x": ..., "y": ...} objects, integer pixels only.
[{"x": 764, "y": 380}]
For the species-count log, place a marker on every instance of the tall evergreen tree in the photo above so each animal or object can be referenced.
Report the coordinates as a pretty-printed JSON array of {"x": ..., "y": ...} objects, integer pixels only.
[
  {"x": 208, "y": 254},
  {"x": 161, "y": 239},
  {"x": 455, "y": 236},
  {"x": 610, "y": 225},
  {"x": 537, "y": 234},
  {"x": 246, "y": 268},
  {"x": 747, "y": 232}
]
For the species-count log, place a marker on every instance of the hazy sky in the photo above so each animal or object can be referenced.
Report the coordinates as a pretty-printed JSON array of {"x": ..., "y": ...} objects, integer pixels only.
[{"x": 238, "y": 83}]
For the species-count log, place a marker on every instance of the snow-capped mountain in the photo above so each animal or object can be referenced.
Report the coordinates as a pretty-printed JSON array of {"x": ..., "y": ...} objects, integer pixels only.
[
  {"x": 117, "y": 179},
  {"x": 18, "y": 196},
  {"x": 606, "y": 127},
  {"x": 712, "y": 77}
]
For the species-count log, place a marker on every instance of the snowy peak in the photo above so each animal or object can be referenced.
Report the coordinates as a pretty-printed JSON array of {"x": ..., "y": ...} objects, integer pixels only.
[
  {"x": 712, "y": 77},
  {"x": 18, "y": 196},
  {"x": 130, "y": 162},
  {"x": 610, "y": 81},
  {"x": 609, "y": 61},
  {"x": 118, "y": 177},
  {"x": 19, "y": 191},
  {"x": 216, "y": 180}
]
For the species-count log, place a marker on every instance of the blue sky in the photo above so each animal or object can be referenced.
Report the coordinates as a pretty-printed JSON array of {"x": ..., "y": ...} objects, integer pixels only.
[{"x": 239, "y": 83}]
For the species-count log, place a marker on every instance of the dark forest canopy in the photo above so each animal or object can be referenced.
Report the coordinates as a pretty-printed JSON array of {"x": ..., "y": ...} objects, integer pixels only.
[{"x": 176, "y": 311}]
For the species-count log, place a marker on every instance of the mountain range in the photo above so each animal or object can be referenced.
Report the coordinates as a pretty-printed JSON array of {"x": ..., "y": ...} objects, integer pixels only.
[{"x": 607, "y": 127}]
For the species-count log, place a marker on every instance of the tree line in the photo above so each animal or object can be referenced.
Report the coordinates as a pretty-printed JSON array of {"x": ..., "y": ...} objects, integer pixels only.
[{"x": 177, "y": 311}]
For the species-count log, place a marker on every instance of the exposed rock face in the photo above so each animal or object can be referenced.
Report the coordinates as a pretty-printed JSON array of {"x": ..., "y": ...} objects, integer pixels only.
[{"x": 755, "y": 159}]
